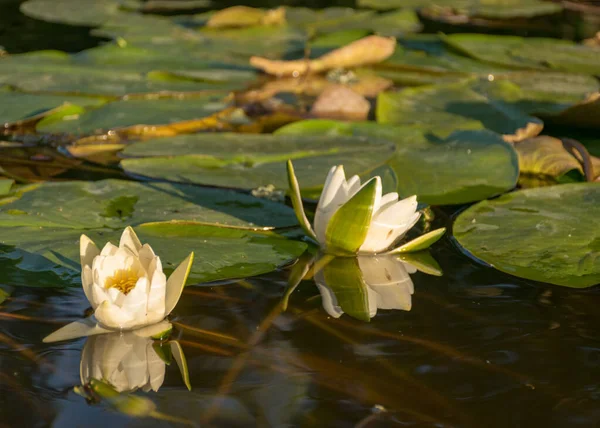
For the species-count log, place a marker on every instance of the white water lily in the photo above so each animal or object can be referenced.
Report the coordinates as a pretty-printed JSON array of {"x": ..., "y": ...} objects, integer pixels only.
[
  {"x": 390, "y": 219},
  {"x": 384, "y": 282},
  {"x": 127, "y": 361},
  {"x": 358, "y": 219},
  {"x": 126, "y": 285}
]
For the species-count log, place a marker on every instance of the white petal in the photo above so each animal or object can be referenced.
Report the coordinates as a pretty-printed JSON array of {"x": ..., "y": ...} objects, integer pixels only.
[
  {"x": 381, "y": 236},
  {"x": 112, "y": 316},
  {"x": 99, "y": 295},
  {"x": 332, "y": 197},
  {"x": 157, "y": 292},
  {"x": 87, "y": 282},
  {"x": 399, "y": 212},
  {"x": 109, "y": 250},
  {"x": 87, "y": 250},
  {"x": 352, "y": 186},
  {"x": 130, "y": 240},
  {"x": 136, "y": 300},
  {"x": 146, "y": 256}
]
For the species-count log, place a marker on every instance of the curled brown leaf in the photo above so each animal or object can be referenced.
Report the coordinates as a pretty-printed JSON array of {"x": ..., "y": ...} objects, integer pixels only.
[{"x": 365, "y": 51}]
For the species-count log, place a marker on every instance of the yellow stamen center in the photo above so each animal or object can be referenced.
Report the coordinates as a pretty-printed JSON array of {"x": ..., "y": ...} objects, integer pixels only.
[{"x": 123, "y": 280}]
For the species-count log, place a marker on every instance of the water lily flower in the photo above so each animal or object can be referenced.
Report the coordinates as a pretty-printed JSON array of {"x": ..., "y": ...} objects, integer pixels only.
[
  {"x": 358, "y": 219},
  {"x": 363, "y": 285},
  {"x": 126, "y": 285}
]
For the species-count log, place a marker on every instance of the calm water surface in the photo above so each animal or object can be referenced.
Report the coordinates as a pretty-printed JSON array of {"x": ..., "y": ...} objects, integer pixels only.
[{"x": 478, "y": 348}]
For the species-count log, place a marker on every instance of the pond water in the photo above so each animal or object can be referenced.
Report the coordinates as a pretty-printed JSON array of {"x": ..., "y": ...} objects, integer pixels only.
[{"x": 474, "y": 347}]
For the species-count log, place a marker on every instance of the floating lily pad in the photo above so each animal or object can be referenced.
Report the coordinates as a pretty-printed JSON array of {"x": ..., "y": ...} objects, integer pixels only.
[
  {"x": 493, "y": 9},
  {"x": 73, "y": 12},
  {"x": 16, "y": 106},
  {"x": 549, "y": 234},
  {"x": 120, "y": 114},
  {"x": 220, "y": 253},
  {"x": 148, "y": 60},
  {"x": 249, "y": 161},
  {"x": 466, "y": 166},
  {"x": 38, "y": 72},
  {"x": 455, "y": 106},
  {"x": 534, "y": 53},
  {"x": 41, "y": 229},
  {"x": 117, "y": 204}
]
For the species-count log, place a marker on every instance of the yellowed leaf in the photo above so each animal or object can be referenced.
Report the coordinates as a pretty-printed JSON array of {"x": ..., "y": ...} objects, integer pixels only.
[
  {"x": 217, "y": 121},
  {"x": 546, "y": 156},
  {"x": 341, "y": 102},
  {"x": 101, "y": 153},
  {"x": 365, "y": 51},
  {"x": 245, "y": 16}
]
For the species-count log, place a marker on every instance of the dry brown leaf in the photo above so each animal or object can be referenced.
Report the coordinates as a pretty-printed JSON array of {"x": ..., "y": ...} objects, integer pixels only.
[
  {"x": 365, "y": 51},
  {"x": 532, "y": 129},
  {"x": 245, "y": 16},
  {"x": 340, "y": 102}
]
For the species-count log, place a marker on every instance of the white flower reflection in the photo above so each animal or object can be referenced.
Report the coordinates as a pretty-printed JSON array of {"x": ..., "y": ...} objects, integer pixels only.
[
  {"x": 362, "y": 285},
  {"x": 126, "y": 361}
]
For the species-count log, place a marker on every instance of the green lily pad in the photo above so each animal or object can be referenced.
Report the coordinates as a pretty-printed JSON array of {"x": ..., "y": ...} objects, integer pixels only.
[
  {"x": 42, "y": 72},
  {"x": 149, "y": 59},
  {"x": 250, "y": 161},
  {"x": 533, "y": 53},
  {"x": 549, "y": 234},
  {"x": 18, "y": 106},
  {"x": 118, "y": 204},
  {"x": 73, "y": 12},
  {"x": 220, "y": 253},
  {"x": 467, "y": 166},
  {"x": 334, "y": 19},
  {"x": 454, "y": 106},
  {"x": 492, "y": 9},
  {"x": 120, "y": 114}
]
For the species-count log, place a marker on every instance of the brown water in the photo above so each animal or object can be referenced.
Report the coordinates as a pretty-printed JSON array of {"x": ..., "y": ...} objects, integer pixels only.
[{"x": 478, "y": 348}]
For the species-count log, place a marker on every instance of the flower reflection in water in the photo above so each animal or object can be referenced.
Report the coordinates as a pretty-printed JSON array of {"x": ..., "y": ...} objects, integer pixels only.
[
  {"x": 360, "y": 286},
  {"x": 126, "y": 361},
  {"x": 377, "y": 283}
]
